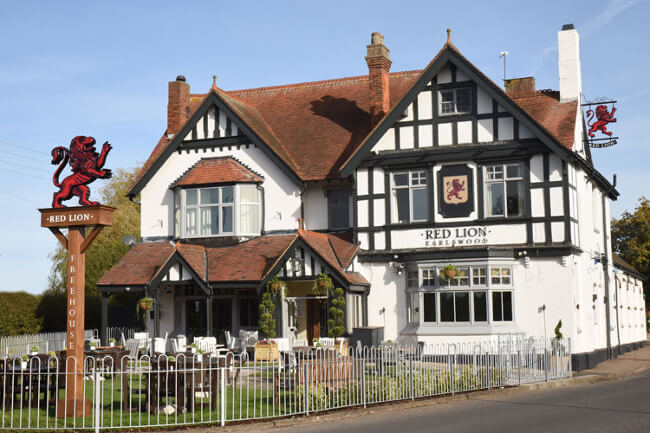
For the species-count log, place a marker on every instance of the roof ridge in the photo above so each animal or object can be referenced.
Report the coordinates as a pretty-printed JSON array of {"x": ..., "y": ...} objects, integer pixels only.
[{"x": 318, "y": 83}]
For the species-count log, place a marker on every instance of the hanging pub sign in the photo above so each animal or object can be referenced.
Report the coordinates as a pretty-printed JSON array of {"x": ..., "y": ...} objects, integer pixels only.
[
  {"x": 599, "y": 115},
  {"x": 455, "y": 191}
]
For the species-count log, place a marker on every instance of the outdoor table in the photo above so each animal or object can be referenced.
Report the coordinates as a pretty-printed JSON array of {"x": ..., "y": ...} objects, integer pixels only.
[
  {"x": 22, "y": 383},
  {"x": 116, "y": 354}
]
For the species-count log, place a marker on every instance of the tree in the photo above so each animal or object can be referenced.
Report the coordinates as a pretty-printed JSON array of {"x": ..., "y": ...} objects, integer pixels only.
[
  {"x": 267, "y": 315},
  {"x": 19, "y": 314},
  {"x": 631, "y": 239},
  {"x": 105, "y": 251},
  {"x": 335, "y": 325}
]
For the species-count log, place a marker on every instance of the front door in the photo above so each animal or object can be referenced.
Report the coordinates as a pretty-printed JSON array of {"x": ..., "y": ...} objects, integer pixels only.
[{"x": 314, "y": 308}]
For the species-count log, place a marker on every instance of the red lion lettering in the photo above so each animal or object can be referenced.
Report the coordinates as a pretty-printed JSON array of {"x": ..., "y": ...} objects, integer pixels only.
[
  {"x": 454, "y": 189},
  {"x": 86, "y": 166},
  {"x": 604, "y": 117}
]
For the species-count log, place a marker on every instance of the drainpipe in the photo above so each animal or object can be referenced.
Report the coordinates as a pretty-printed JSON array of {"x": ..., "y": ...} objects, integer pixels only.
[
  {"x": 618, "y": 306},
  {"x": 605, "y": 262}
]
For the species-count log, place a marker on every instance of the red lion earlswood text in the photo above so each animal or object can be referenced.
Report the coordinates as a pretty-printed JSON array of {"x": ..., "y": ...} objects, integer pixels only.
[{"x": 86, "y": 165}]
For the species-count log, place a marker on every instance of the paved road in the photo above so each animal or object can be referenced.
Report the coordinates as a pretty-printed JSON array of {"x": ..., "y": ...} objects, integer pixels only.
[{"x": 609, "y": 407}]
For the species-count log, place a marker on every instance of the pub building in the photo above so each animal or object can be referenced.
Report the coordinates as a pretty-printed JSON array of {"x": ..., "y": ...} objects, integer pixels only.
[{"x": 380, "y": 181}]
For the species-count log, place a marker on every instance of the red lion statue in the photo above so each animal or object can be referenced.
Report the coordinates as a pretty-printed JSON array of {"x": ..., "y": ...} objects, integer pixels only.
[
  {"x": 86, "y": 166},
  {"x": 604, "y": 117},
  {"x": 454, "y": 188}
]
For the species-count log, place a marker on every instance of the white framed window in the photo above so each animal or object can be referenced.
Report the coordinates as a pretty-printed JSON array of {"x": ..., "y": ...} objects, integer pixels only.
[
  {"x": 461, "y": 278},
  {"x": 217, "y": 211},
  {"x": 500, "y": 276},
  {"x": 429, "y": 306},
  {"x": 428, "y": 277},
  {"x": 479, "y": 276},
  {"x": 413, "y": 307},
  {"x": 502, "y": 306},
  {"x": 455, "y": 101},
  {"x": 454, "y": 307},
  {"x": 410, "y": 196},
  {"x": 504, "y": 190},
  {"x": 480, "y": 305}
]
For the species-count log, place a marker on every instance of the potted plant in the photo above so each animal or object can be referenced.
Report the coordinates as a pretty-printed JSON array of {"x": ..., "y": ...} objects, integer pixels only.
[
  {"x": 193, "y": 347},
  {"x": 93, "y": 345},
  {"x": 322, "y": 285},
  {"x": 144, "y": 304},
  {"x": 275, "y": 286},
  {"x": 448, "y": 272},
  {"x": 199, "y": 355},
  {"x": 266, "y": 350},
  {"x": 23, "y": 361},
  {"x": 316, "y": 343},
  {"x": 34, "y": 350},
  {"x": 111, "y": 342}
]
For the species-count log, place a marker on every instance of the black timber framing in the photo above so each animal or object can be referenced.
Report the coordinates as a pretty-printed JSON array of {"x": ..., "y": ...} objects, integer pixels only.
[
  {"x": 371, "y": 206},
  {"x": 565, "y": 200},
  {"x": 212, "y": 99},
  {"x": 529, "y": 211},
  {"x": 547, "y": 199},
  {"x": 449, "y": 54}
]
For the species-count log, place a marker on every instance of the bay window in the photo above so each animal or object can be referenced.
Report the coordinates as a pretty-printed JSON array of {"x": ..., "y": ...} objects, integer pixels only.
[
  {"x": 217, "y": 211},
  {"x": 410, "y": 196},
  {"x": 475, "y": 296},
  {"x": 504, "y": 190}
]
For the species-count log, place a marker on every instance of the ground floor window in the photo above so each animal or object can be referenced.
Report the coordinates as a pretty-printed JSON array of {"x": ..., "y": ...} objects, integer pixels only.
[
  {"x": 454, "y": 306},
  {"x": 356, "y": 310},
  {"x": 502, "y": 306},
  {"x": 413, "y": 307}
]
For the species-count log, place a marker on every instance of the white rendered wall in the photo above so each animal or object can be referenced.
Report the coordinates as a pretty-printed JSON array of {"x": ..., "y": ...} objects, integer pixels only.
[
  {"x": 315, "y": 206},
  {"x": 281, "y": 194}
]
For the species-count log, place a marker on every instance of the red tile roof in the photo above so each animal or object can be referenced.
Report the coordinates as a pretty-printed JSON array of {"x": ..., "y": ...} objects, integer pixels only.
[
  {"x": 139, "y": 265},
  {"x": 559, "y": 118},
  {"x": 217, "y": 170},
  {"x": 315, "y": 127},
  {"x": 249, "y": 261}
]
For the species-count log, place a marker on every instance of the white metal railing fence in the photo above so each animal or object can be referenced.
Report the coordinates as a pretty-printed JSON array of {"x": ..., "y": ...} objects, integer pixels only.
[
  {"x": 18, "y": 345},
  {"x": 125, "y": 392},
  {"x": 120, "y": 333}
]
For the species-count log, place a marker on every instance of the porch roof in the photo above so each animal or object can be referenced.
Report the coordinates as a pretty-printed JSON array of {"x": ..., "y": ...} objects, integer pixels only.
[{"x": 251, "y": 262}]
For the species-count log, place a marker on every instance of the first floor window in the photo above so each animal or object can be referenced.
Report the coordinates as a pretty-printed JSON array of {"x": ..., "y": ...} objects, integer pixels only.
[
  {"x": 454, "y": 306},
  {"x": 429, "y": 301},
  {"x": 504, "y": 190},
  {"x": 455, "y": 101},
  {"x": 500, "y": 276},
  {"x": 410, "y": 196},
  {"x": 338, "y": 207},
  {"x": 502, "y": 306},
  {"x": 461, "y": 278}
]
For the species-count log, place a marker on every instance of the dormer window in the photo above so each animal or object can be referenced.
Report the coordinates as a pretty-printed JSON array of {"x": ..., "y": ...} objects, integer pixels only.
[
  {"x": 230, "y": 210},
  {"x": 455, "y": 101},
  {"x": 217, "y": 197}
]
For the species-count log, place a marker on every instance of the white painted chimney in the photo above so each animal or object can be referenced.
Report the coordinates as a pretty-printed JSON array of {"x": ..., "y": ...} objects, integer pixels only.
[{"x": 568, "y": 45}]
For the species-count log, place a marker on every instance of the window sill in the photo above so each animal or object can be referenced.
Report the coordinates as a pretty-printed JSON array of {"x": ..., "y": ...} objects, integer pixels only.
[{"x": 461, "y": 329}]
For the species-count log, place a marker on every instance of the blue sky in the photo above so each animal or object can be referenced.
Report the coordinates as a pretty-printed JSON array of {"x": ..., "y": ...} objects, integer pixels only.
[{"x": 101, "y": 69}]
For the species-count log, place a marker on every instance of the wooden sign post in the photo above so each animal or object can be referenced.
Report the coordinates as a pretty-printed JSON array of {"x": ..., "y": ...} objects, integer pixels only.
[{"x": 76, "y": 220}]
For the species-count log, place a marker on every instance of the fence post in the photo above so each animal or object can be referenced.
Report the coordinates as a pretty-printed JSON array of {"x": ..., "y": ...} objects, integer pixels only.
[
  {"x": 451, "y": 371},
  {"x": 223, "y": 395},
  {"x": 568, "y": 342},
  {"x": 545, "y": 361},
  {"x": 97, "y": 400},
  {"x": 519, "y": 365},
  {"x": 411, "y": 374},
  {"x": 363, "y": 380},
  {"x": 487, "y": 367},
  {"x": 305, "y": 374}
]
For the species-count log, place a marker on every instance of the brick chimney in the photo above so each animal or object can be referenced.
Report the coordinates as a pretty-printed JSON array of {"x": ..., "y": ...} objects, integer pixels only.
[
  {"x": 378, "y": 61},
  {"x": 520, "y": 86},
  {"x": 178, "y": 107}
]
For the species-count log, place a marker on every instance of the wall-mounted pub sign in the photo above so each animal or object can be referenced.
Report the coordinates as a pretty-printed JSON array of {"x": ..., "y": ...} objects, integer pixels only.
[
  {"x": 455, "y": 191},
  {"x": 599, "y": 114}
]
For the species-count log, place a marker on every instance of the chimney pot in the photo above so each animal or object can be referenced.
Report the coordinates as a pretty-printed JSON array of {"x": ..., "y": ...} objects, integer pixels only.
[
  {"x": 378, "y": 60},
  {"x": 180, "y": 78},
  {"x": 568, "y": 27}
]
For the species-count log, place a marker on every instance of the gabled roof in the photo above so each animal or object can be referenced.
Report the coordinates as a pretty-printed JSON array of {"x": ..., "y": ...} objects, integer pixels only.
[
  {"x": 321, "y": 130},
  {"x": 252, "y": 261},
  {"x": 217, "y": 170},
  {"x": 620, "y": 263},
  {"x": 450, "y": 54}
]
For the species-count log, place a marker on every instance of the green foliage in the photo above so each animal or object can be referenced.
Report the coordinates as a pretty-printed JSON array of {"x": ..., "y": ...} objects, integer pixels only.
[
  {"x": 267, "y": 315},
  {"x": 275, "y": 286},
  {"x": 52, "y": 310},
  {"x": 322, "y": 285},
  {"x": 335, "y": 325},
  {"x": 558, "y": 332},
  {"x": 449, "y": 268},
  {"x": 19, "y": 314},
  {"x": 631, "y": 239},
  {"x": 107, "y": 249},
  {"x": 143, "y": 305}
]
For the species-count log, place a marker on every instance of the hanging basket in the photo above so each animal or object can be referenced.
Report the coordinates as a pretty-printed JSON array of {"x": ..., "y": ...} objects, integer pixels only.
[{"x": 450, "y": 273}]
